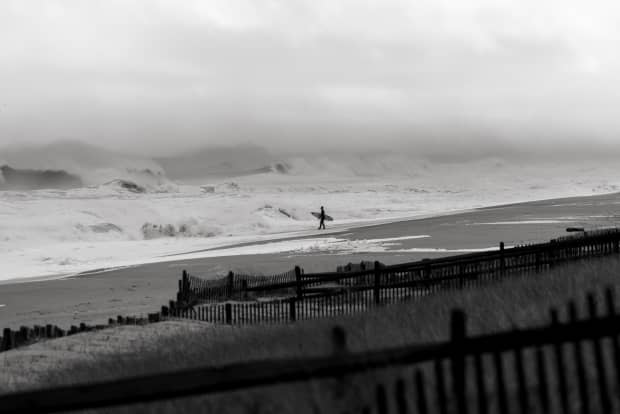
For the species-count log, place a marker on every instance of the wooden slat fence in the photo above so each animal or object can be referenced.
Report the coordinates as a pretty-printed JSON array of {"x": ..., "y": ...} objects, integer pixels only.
[
  {"x": 545, "y": 370},
  {"x": 25, "y": 335},
  {"x": 297, "y": 296},
  {"x": 233, "y": 286},
  {"x": 567, "y": 366}
]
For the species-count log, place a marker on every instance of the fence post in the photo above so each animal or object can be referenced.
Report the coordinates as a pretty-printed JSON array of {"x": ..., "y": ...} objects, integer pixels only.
[
  {"x": 183, "y": 287},
  {"x": 427, "y": 269},
  {"x": 502, "y": 259},
  {"x": 6, "y": 339},
  {"x": 291, "y": 309},
  {"x": 299, "y": 286},
  {"x": 458, "y": 335},
  {"x": 244, "y": 288},
  {"x": 377, "y": 285},
  {"x": 551, "y": 253},
  {"x": 230, "y": 284},
  {"x": 228, "y": 308},
  {"x": 24, "y": 331},
  {"x": 599, "y": 358}
]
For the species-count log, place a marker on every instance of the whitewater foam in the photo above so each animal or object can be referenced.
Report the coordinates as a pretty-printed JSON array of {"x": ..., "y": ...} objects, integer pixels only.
[{"x": 52, "y": 232}]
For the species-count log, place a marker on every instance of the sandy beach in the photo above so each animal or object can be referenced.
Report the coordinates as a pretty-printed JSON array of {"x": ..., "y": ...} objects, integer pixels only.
[{"x": 95, "y": 297}]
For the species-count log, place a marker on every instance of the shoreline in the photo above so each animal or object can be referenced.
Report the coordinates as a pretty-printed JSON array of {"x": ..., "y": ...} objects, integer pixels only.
[
  {"x": 282, "y": 237},
  {"x": 285, "y": 236},
  {"x": 138, "y": 290}
]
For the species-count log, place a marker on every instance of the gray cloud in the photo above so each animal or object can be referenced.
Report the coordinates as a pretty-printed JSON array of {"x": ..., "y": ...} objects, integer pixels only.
[{"x": 435, "y": 76}]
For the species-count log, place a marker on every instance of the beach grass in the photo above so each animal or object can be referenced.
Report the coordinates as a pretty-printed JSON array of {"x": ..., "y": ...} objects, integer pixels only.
[{"x": 520, "y": 301}]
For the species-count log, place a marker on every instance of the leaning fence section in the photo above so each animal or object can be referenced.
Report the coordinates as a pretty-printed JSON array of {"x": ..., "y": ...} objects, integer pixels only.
[
  {"x": 232, "y": 286},
  {"x": 570, "y": 365}
]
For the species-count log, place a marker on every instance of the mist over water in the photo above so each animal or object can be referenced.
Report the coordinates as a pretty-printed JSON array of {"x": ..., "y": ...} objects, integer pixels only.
[
  {"x": 150, "y": 128},
  {"x": 68, "y": 164}
]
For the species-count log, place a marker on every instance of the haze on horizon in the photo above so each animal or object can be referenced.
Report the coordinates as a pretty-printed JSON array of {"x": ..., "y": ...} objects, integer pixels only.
[{"x": 470, "y": 79}]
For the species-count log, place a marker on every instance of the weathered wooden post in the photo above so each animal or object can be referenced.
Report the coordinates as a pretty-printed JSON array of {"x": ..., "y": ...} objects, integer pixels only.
[
  {"x": 551, "y": 253},
  {"x": 580, "y": 363},
  {"x": 298, "y": 282},
  {"x": 382, "y": 402},
  {"x": 458, "y": 336},
  {"x": 244, "y": 288},
  {"x": 427, "y": 272},
  {"x": 230, "y": 284},
  {"x": 560, "y": 365},
  {"x": 291, "y": 309},
  {"x": 17, "y": 339},
  {"x": 502, "y": 259},
  {"x": 421, "y": 392},
  {"x": 228, "y": 309},
  {"x": 6, "y": 339},
  {"x": 25, "y": 333},
  {"x": 599, "y": 358},
  {"x": 377, "y": 285}
]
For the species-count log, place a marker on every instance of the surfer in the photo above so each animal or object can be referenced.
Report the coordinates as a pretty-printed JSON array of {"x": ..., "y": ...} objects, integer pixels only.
[{"x": 322, "y": 218}]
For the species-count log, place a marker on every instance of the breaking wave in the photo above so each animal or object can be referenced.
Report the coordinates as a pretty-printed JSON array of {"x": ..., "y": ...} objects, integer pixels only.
[
  {"x": 25, "y": 179},
  {"x": 68, "y": 164}
]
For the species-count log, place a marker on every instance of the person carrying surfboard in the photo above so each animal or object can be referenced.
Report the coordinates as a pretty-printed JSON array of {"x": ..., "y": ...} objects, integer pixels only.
[{"x": 322, "y": 218}]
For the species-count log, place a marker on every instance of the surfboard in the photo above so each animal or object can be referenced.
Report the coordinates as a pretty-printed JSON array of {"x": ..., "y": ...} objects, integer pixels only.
[{"x": 318, "y": 215}]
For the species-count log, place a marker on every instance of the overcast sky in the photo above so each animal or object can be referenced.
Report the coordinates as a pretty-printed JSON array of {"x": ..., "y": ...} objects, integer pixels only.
[{"x": 153, "y": 76}]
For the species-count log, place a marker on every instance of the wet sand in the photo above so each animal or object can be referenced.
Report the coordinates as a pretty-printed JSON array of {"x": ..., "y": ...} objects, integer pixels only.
[{"x": 138, "y": 290}]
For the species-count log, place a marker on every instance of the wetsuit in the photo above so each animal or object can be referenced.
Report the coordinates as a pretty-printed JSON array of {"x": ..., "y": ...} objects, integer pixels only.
[{"x": 322, "y": 223}]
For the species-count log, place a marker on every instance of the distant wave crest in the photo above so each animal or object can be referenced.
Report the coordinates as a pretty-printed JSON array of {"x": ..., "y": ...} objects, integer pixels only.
[
  {"x": 29, "y": 179},
  {"x": 68, "y": 164},
  {"x": 342, "y": 165}
]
